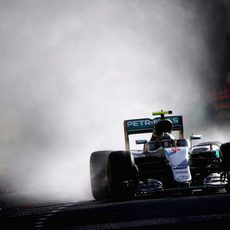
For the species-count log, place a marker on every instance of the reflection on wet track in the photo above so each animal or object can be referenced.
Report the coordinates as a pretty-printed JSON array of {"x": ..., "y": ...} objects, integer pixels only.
[{"x": 162, "y": 213}]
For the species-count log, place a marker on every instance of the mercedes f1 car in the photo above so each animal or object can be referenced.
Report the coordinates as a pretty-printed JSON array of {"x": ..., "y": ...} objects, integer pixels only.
[{"x": 167, "y": 164}]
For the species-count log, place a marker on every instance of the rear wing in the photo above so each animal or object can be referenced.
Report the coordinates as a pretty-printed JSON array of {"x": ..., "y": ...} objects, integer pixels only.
[{"x": 146, "y": 125}]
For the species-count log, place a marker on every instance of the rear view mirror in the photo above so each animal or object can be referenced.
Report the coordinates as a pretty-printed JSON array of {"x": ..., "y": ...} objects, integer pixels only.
[
  {"x": 139, "y": 142},
  {"x": 195, "y": 136}
]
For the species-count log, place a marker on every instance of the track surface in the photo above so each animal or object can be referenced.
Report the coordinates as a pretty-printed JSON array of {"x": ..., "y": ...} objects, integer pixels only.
[{"x": 164, "y": 213}]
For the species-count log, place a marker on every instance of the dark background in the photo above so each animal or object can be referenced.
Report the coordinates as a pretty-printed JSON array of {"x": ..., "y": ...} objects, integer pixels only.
[{"x": 218, "y": 42}]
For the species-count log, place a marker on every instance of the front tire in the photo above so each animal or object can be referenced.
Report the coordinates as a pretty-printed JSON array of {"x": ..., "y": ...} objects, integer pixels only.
[
  {"x": 122, "y": 172},
  {"x": 98, "y": 174}
]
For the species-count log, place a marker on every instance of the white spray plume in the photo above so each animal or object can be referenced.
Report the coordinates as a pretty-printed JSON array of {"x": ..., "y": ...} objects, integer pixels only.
[{"x": 72, "y": 71}]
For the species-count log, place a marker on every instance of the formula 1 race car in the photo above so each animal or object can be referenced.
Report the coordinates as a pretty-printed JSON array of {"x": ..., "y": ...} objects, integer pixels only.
[{"x": 165, "y": 165}]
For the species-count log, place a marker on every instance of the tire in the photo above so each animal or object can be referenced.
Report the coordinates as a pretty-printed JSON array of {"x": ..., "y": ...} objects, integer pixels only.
[
  {"x": 225, "y": 165},
  {"x": 225, "y": 151},
  {"x": 227, "y": 186},
  {"x": 121, "y": 167},
  {"x": 98, "y": 174}
]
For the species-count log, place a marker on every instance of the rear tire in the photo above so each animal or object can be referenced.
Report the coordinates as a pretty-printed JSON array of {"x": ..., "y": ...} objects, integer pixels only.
[
  {"x": 98, "y": 174},
  {"x": 122, "y": 172},
  {"x": 225, "y": 151}
]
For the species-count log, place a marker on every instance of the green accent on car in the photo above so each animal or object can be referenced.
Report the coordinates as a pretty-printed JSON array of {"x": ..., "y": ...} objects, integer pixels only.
[
  {"x": 161, "y": 113},
  {"x": 218, "y": 153},
  {"x": 147, "y": 124},
  {"x": 140, "y": 124}
]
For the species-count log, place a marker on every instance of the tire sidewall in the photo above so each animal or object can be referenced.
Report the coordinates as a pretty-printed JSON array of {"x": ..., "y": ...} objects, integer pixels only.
[
  {"x": 98, "y": 174},
  {"x": 121, "y": 168}
]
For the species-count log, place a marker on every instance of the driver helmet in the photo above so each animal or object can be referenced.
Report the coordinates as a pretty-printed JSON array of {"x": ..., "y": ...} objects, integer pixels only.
[{"x": 167, "y": 136}]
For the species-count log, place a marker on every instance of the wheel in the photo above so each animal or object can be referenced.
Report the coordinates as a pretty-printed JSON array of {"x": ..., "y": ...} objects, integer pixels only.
[
  {"x": 122, "y": 172},
  {"x": 98, "y": 174},
  {"x": 225, "y": 151},
  {"x": 227, "y": 186}
]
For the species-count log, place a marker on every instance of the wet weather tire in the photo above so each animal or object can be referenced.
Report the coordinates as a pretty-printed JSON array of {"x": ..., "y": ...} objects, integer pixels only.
[
  {"x": 225, "y": 150},
  {"x": 98, "y": 174},
  {"x": 121, "y": 174}
]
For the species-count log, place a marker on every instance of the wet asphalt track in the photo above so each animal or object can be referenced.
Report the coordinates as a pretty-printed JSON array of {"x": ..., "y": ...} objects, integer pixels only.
[{"x": 164, "y": 213}]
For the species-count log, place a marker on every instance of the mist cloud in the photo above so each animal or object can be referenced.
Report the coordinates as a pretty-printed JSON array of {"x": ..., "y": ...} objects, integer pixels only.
[{"x": 72, "y": 71}]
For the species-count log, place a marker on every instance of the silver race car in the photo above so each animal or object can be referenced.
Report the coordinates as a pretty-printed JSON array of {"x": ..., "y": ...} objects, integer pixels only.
[{"x": 165, "y": 165}]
